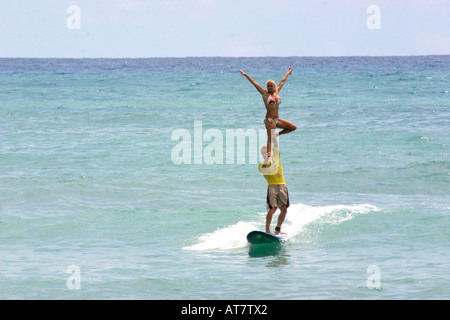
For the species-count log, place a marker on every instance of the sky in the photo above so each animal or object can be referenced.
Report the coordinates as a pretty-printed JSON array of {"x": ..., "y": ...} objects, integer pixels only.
[{"x": 232, "y": 28}]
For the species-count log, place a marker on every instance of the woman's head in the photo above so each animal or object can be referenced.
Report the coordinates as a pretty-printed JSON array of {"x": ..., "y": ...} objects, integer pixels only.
[{"x": 271, "y": 85}]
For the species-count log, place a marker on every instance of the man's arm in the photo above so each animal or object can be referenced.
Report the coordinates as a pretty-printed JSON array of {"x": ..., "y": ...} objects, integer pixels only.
[
  {"x": 275, "y": 139},
  {"x": 276, "y": 149}
]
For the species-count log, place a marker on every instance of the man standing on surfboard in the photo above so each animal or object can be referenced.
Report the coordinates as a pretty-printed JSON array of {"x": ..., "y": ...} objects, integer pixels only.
[{"x": 277, "y": 192}]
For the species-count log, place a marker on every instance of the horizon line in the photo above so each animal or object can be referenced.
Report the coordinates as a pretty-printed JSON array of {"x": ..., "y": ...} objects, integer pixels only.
[{"x": 235, "y": 57}]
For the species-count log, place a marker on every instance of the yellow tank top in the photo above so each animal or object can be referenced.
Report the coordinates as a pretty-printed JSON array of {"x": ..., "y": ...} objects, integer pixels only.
[{"x": 274, "y": 173}]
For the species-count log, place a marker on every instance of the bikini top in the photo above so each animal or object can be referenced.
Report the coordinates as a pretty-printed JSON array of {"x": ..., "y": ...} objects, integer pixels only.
[{"x": 270, "y": 99}]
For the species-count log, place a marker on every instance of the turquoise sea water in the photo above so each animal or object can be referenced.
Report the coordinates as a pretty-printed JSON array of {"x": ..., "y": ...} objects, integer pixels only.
[{"x": 93, "y": 205}]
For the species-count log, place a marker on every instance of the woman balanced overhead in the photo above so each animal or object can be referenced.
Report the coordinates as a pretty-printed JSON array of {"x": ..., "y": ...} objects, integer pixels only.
[{"x": 272, "y": 102}]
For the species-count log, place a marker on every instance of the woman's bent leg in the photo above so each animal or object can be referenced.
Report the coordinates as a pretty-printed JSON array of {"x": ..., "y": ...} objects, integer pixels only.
[{"x": 287, "y": 126}]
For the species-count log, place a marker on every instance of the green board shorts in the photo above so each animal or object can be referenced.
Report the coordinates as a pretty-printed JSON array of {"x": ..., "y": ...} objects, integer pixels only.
[{"x": 277, "y": 196}]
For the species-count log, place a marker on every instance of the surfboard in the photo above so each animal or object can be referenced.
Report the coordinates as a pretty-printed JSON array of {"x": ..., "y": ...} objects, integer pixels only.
[{"x": 257, "y": 237}]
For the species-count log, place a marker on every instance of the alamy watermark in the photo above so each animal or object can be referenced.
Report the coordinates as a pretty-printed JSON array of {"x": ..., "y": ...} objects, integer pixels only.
[
  {"x": 236, "y": 146},
  {"x": 74, "y": 20},
  {"x": 74, "y": 280},
  {"x": 374, "y": 20},
  {"x": 374, "y": 280}
]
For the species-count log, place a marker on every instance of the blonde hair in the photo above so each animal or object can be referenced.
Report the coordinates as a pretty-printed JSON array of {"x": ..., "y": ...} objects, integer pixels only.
[{"x": 271, "y": 81}]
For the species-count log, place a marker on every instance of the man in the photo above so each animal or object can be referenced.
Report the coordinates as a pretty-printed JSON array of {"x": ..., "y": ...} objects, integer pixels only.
[{"x": 277, "y": 192}]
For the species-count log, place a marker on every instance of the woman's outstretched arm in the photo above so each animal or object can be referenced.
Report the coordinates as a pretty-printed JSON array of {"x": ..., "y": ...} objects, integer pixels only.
[
  {"x": 283, "y": 81},
  {"x": 257, "y": 86}
]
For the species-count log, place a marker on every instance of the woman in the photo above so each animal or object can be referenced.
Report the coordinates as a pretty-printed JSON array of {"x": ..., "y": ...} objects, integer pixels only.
[{"x": 272, "y": 102}]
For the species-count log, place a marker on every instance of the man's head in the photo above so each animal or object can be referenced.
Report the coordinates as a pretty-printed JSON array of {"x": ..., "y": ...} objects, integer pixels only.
[{"x": 264, "y": 152}]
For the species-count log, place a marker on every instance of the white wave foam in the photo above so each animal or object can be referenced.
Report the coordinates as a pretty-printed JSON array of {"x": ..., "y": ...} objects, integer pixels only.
[
  {"x": 230, "y": 237},
  {"x": 299, "y": 215}
]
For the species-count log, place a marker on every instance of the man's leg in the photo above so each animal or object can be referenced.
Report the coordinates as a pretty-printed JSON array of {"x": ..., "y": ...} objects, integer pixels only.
[
  {"x": 269, "y": 218},
  {"x": 281, "y": 217}
]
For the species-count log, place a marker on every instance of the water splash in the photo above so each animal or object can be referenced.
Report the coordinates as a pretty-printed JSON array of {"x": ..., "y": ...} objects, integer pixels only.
[{"x": 299, "y": 215}]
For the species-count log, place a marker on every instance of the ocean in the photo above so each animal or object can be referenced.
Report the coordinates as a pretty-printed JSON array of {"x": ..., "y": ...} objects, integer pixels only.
[{"x": 137, "y": 179}]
